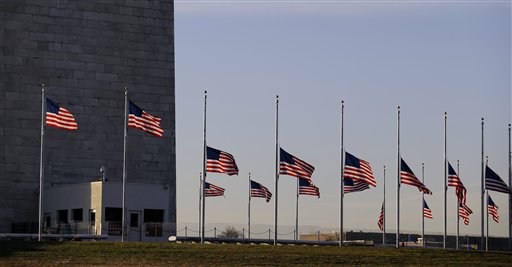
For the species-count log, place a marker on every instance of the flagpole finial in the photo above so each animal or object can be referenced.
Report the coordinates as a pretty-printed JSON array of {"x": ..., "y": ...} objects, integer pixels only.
[{"x": 126, "y": 89}]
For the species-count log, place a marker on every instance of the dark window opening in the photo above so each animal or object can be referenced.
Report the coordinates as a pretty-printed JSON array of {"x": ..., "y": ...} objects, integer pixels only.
[
  {"x": 153, "y": 219},
  {"x": 153, "y": 216},
  {"x": 77, "y": 214},
  {"x": 62, "y": 216},
  {"x": 134, "y": 220},
  {"x": 113, "y": 214}
]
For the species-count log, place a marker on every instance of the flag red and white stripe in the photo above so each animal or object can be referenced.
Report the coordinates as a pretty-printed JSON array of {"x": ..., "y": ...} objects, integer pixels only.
[
  {"x": 211, "y": 190},
  {"x": 140, "y": 119},
  {"x": 220, "y": 162},
  {"x": 464, "y": 212},
  {"x": 492, "y": 209},
  {"x": 59, "y": 117},
  {"x": 407, "y": 177},
  {"x": 358, "y": 169},
  {"x": 381, "y": 218},
  {"x": 293, "y": 166},
  {"x": 306, "y": 187}
]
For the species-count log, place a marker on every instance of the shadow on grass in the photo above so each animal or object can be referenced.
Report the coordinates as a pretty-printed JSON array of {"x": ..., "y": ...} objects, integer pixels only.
[{"x": 10, "y": 247}]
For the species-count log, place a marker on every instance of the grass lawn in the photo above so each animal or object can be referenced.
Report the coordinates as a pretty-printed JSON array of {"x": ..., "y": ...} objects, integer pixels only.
[{"x": 19, "y": 253}]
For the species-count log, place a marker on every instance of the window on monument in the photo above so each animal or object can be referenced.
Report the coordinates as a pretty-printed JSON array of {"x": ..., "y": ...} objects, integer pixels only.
[
  {"x": 113, "y": 216},
  {"x": 62, "y": 216},
  {"x": 77, "y": 215},
  {"x": 153, "y": 219}
]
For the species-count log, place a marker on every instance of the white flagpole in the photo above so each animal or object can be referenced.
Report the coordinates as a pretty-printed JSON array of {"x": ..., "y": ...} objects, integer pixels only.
[
  {"x": 482, "y": 191},
  {"x": 123, "y": 219},
  {"x": 249, "y": 211},
  {"x": 384, "y": 209},
  {"x": 342, "y": 166},
  {"x": 297, "y": 213},
  {"x": 457, "y": 213},
  {"x": 445, "y": 183},
  {"x": 200, "y": 199},
  {"x": 398, "y": 180},
  {"x": 41, "y": 164},
  {"x": 204, "y": 169},
  {"x": 277, "y": 170},
  {"x": 422, "y": 208},
  {"x": 510, "y": 195},
  {"x": 487, "y": 212},
  {"x": 487, "y": 219}
]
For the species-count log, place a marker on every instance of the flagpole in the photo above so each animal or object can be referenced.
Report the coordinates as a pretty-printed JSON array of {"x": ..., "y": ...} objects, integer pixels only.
[
  {"x": 482, "y": 190},
  {"x": 384, "y": 210},
  {"x": 422, "y": 208},
  {"x": 204, "y": 169},
  {"x": 297, "y": 212},
  {"x": 41, "y": 165},
  {"x": 200, "y": 198},
  {"x": 510, "y": 195},
  {"x": 458, "y": 205},
  {"x": 249, "y": 211},
  {"x": 487, "y": 211},
  {"x": 398, "y": 180},
  {"x": 277, "y": 169},
  {"x": 342, "y": 165},
  {"x": 445, "y": 183},
  {"x": 487, "y": 219},
  {"x": 123, "y": 219}
]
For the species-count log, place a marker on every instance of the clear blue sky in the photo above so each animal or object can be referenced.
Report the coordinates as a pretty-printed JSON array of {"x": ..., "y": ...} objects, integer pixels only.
[{"x": 426, "y": 56}]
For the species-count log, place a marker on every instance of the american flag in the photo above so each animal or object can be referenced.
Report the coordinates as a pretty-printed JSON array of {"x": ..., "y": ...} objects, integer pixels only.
[
  {"x": 408, "y": 177},
  {"x": 351, "y": 185},
  {"x": 258, "y": 190},
  {"x": 293, "y": 166},
  {"x": 464, "y": 212},
  {"x": 140, "y": 119},
  {"x": 492, "y": 209},
  {"x": 381, "y": 218},
  {"x": 59, "y": 117},
  {"x": 220, "y": 161},
  {"x": 493, "y": 182},
  {"x": 427, "y": 213},
  {"x": 454, "y": 180},
  {"x": 211, "y": 190},
  {"x": 358, "y": 169},
  {"x": 306, "y": 187}
]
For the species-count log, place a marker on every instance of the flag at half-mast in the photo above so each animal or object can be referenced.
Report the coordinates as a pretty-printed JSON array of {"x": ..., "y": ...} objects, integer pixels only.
[
  {"x": 492, "y": 209},
  {"x": 293, "y": 166},
  {"x": 358, "y": 169},
  {"x": 381, "y": 218},
  {"x": 427, "y": 213},
  {"x": 351, "y": 185},
  {"x": 258, "y": 190},
  {"x": 220, "y": 162},
  {"x": 59, "y": 117},
  {"x": 455, "y": 181},
  {"x": 494, "y": 182},
  {"x": 408, "y": 177},
  {"x": 306, "y": 187},
  {"x": 464, "y": 212},
  {"x": 211, "y": 190},
  {"x": 140, "y": 119}
]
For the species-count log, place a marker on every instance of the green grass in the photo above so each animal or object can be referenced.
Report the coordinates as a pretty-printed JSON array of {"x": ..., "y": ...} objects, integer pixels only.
[{"x": 18, "y": 253}]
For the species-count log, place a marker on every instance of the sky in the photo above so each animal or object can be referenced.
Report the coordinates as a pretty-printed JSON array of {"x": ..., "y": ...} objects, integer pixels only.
[{"x": 428, "y": 57}]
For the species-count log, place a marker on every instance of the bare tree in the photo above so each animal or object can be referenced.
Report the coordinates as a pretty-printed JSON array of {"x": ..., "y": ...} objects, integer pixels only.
[{"x": 230, "y": 232}]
